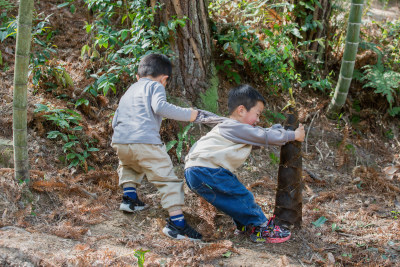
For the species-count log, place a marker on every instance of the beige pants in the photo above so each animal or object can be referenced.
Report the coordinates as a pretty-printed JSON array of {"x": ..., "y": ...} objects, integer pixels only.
[{"x": 137, "y": 160}]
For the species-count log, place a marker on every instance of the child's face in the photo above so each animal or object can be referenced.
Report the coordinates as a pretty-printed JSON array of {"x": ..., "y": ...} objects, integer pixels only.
[{"x": 252, "y": 116}]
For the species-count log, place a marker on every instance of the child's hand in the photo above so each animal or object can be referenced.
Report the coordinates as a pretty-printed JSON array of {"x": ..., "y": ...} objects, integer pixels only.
[
  {"x": 193, "y": 116},
  {"x": 299, "y": 133}
]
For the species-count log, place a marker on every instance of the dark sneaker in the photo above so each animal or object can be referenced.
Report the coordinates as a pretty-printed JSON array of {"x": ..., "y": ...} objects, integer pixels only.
[
  {"x": 270, "y": 234},
  {"x": 177, "y": 232},
  {"x": 131, "y": 205},
  {"x": 240, "y": 230}
]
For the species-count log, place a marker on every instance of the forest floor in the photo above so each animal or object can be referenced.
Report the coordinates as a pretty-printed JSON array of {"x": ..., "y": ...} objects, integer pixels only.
[{"x": 70, "y": 218}]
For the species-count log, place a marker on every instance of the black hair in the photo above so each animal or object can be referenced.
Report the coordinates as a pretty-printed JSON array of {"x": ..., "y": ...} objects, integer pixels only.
[
  {"x": 154, "y": 65},
  {"x": 244, "y": 95}
]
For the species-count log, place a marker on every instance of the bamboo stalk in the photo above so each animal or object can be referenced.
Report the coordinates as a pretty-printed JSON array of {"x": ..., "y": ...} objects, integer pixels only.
[
  {"x": 349, "y": 58},
  {"x": 21, "y": 160}
]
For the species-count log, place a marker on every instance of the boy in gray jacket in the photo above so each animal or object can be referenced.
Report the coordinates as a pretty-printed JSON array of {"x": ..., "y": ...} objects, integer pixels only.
[
  {"x": 214, "y": 157},
  {"x": 137, "y": 141}
]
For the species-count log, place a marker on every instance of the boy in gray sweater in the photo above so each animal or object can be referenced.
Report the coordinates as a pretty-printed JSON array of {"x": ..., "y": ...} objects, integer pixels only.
[
  {"x": 137, "y": 142},
  {"x": 213, "y": 159}
]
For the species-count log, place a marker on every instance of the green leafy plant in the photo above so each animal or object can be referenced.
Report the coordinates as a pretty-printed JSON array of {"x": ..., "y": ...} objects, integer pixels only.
[
  {"x": 248, "y": 44},
  {"x": 274, "y": 158},
  {"x": 335, "y": 227},
  {"x": 321, "y": 220},
  {"x": 209, "y": 99},
  {"x": 227, "y": 254},
  {"x": 271, "y": 57},
  {"x": 70, "y": 133},
  {"x": 348, "y": 255},
  {"x": 230, "y": 73},
  {"x": 46, "y": 71},
  {"x": 123, "y": 32},
  {"x": 395, "y": 214},
  {"x": 8, "y": 26},
  {"x": 140, "y": 255},
  {"x": 385, "y": 82},
  {"x": 183, "y": 142},
  {"x": 319, "y": 83},
  {"x": 69, "y": 3}
]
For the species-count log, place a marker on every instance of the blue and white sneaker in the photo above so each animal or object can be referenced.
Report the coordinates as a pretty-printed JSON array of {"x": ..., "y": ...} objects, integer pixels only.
[
  {"x": 131, "y": 205},
  {"x": 177, "y": 232}
]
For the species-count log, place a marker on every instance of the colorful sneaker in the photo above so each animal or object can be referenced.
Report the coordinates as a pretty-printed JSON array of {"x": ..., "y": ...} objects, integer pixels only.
[
  {"x": 131, "y": 205},
  {"x": 177, "y": 232},
  {"x": 270, "y": 234}
]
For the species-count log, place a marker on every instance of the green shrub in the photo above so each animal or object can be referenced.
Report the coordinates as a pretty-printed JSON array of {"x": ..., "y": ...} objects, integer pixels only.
[
  {"x": 248, "y": 43},
  {"x": 67, "y": 129},
  {"x": 122, "y": 33}
]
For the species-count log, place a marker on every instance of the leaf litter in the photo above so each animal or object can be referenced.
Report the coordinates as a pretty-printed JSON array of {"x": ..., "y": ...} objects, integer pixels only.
[{"x": 76, "y": 214}]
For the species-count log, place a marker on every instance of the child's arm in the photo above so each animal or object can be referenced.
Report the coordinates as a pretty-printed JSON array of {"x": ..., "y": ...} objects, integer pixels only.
[
  {"x": 161, "y": 107},
  {"x": 247, "y": 134}
]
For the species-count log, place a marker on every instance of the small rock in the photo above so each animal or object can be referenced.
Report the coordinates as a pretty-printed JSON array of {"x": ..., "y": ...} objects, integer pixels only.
[
  {"x": 9, "y": 50},
  {"x": 8, "y": 98},
  {"x": 331, "y": 258},
  {"x": 356, "y": 180}
]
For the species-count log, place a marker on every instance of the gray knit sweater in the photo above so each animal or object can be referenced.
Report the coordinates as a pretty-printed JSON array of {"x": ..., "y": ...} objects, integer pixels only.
[{"x": 140, "y": 112}]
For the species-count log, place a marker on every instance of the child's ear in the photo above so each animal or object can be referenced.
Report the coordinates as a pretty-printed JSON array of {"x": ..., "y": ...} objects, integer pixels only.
[
  {"x": 164, "y": 80},
  {"x": 241, "y": 109}
]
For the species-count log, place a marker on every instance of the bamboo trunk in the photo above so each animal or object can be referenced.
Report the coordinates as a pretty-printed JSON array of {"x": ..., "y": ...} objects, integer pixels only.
[
  {"x": 349, "y": 58},
  {"x": 21, "y": 160},
  {"x": 289, "y": 199}
]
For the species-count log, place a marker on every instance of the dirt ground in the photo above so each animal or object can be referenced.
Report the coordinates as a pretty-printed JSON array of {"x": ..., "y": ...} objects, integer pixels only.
[{"x": 71, "y": 218}]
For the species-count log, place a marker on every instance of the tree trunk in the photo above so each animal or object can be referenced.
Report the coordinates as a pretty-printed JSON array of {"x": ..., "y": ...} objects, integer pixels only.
[
  {"x": 322, "y": 15},
  {"x": 316, "y": 52},
  {"x": 349, "y": 58},
  {"x": 289, "y": 199},
  {"x": 21, "y": 160},
  {"x": 192, "y": 46}
]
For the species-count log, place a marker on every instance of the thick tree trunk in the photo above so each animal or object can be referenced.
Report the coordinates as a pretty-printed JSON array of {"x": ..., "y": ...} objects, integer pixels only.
[
  {"x": 192, "y": 46},
  {"x": 289, "y": 199},
  {"x": 21, "y": 160},
  {"x": 349, "y": 59}
]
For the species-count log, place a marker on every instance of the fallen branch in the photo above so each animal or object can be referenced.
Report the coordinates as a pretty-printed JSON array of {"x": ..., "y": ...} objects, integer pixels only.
[{"x": 313, "y": 175}]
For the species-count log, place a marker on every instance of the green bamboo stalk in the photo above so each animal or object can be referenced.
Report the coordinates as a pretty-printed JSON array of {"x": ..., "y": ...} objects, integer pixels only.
[
  {"x": 348, "y": 60},
  {"x": 21, "y": 160}
]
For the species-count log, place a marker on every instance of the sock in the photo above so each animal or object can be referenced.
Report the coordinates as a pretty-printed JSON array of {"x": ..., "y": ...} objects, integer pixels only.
[
  {"x": 178, "y": 220},
  {"x": 130, "y": 192}
]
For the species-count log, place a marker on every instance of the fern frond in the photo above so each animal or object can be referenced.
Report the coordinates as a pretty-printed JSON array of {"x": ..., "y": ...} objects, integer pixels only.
[{"x": 385, "y": 82}]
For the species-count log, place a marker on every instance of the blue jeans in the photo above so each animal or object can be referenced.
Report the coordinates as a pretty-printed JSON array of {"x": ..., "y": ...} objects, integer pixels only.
[{"x": 223, "y": 190}]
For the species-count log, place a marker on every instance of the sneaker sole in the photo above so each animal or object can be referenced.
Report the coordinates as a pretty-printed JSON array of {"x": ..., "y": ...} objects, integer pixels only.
[
  {"x": 125, "y": 207},
  {"x": 277, "y": 240},
  {"x": 269, "y": 240},
  {"x": 178, "y": 236}
]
